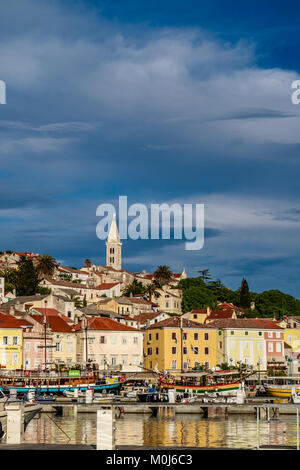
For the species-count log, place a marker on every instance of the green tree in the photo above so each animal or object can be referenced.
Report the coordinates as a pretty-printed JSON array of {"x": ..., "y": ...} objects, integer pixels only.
[
  {"x": 163, "y": 275},
  {"x": 244, "y": 294},
  {"x": 27, "y": 277},
  {"x": 46, "y": 265},
  {"x": 134, "y": 288},
  {"x": 87, "y": 262},
  {"x": 151, "y": 290},
  {"x": 205, "y": 275}
]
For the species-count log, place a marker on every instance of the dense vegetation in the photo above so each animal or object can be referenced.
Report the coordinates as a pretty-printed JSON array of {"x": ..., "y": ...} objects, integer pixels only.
[{"x": 201, "y": 291}]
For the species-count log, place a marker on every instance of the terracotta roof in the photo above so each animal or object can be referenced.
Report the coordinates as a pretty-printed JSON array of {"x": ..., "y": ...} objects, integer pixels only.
[
  {"x": 107, "y": 285},
  {"x": 102, "y": 323},
  {"x": 227, "y": 305},
  {"x": 220, "y": 314},
  {"x": 56, "y": 323},
  {"x": 8, "y": 321},
  {"x": 174, "y": 322},
  {"x": 66, "y": 283},
  {"x": 71, "y": 270},
  {"x": 144, "y": 316},
  {"x": 201, "y": 310},
  {"x": 243, "y": 323},
  {"x": 54, "y": 312},
  {"x": 137, "y": 300}
]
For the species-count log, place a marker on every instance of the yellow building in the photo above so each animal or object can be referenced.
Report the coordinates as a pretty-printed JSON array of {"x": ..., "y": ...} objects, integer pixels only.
[
  {"x": 11, "y": 342},
  {"x": 241, "y": 341},
  {"x": 177, "y": 344}
]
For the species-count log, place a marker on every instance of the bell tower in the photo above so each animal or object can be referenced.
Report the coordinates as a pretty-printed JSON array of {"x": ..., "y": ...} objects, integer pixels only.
[{"x": 114, "y": 247}]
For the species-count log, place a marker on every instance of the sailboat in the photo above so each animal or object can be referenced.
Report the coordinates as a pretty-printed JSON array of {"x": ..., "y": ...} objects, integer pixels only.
[{"x": 30, "y": 410}]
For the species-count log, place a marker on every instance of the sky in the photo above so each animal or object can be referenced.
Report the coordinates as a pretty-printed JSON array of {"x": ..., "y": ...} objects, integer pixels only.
[{"x": 164, "y": 102}]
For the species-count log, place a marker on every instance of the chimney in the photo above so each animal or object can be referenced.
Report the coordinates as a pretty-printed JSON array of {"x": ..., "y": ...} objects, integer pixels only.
[
  {"x": 208, "y": 310},
  {"x": 147, "y": 323}
]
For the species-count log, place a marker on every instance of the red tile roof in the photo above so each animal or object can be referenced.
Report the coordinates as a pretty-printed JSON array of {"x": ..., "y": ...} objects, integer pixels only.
[
  {"x": 8, "y": 321},
  {"x": 201, "y": 310},
  {"x": 220, "y": 314},
  {"x": 56, "y": 323},
  {"x": 244, "y": 323},
  {"x": 102, "y": 323},
  {"x": 56, "y": 313},
  {"x": 107, "y": 285},
  {"x": 174, "y": 322}
]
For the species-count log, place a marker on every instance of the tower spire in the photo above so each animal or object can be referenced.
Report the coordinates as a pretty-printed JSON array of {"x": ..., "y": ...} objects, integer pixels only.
[{"x": 113, "y": 246}]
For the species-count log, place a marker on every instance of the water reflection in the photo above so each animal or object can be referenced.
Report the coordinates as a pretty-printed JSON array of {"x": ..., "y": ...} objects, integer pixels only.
[{"x": 181, "y": 430}]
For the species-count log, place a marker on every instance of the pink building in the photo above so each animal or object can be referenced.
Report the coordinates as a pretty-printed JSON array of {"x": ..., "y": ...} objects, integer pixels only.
[{"x": 274, "y": 338}]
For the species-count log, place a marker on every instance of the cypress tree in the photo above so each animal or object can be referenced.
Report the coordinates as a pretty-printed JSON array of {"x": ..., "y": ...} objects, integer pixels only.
[
  {"x": 244, "y": 294},
  {"x": 27, "y": 277}
]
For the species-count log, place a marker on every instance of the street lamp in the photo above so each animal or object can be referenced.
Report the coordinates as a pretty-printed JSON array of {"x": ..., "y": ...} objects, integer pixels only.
[{"x": 259, "y": 363}]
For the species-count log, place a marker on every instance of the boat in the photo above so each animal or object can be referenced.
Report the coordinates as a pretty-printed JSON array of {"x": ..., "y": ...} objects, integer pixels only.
[
  {"x": 44, "y": 383},
  {"x": 152, "y": 395},
  {"x": 204, "y": 382},
  {"x": 282, "y": 387},
  {"x": 30, "y": 411}
]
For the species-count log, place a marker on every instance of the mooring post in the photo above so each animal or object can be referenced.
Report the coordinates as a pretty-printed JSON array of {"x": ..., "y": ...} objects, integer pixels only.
[
  {"x": 105, "y": 429},
  {"x": 89, "y": 396},
  {"x": 297, "y": 428},
  {"x": 257, "y": 427},
  {"x": 15, "y": 423}
]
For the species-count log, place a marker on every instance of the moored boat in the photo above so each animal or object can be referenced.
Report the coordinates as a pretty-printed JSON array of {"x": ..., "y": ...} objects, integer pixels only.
[{"x": 203, "y": 383}]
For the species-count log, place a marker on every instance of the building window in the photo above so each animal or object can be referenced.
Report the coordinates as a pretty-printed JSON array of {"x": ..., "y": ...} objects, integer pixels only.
[
  {"x": 124, "y": 340},
  {"x": 113, "y": 360},
  {"x": 113, "y": 340},
  {"x": 5, "y": 340},
  {"x": 102, "y": 340},
  {"x": 270, "y": 347},
  {"x": 260, "y": 333},
  {"x": 232, "y": 332},
  {"x": 174, "y": 364},
  {"x": 220, "y": 344},
  {"x": 246, "y": 332},
  {"x": 278, "y": 347},
  {"x": 135, "y": 340},
  {"x": 270, "y": 334},
  {"x": 195, "y": 316},
  {"x": 196, "y": 350},
  {"x": 206, "y": 336},
  {"x": 69, "y": 347},
  {"x": 15, "y": 340},
  {"x": 150, "y": 336},
  {"x": 195, "y": 336},
  {"x": 156, "y": 336},
  {"x": 173, "y": 349},
  {"x": 124, "y": 360},
  {"x": 174, "y": 336},
  {"x": 15, "y": 359},
  {"x": 219, "y": 333},
  {"x": 206, "y": 351},
  {"x": 149, "y": 351},
  {"x": 167, "y": 304},
  {"x": 5, "y": 357},
  {"x": 184, "y": 350},
  {"x": 184, "y": 336},
  {"x": 156, "y": 351}
]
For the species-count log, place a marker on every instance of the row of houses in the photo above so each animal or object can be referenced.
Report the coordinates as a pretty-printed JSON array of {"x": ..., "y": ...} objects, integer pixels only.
[{"x": 131, "y": 341}]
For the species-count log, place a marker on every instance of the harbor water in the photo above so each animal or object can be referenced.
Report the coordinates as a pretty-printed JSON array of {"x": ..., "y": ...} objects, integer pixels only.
[{"x": 237, "y": 431}]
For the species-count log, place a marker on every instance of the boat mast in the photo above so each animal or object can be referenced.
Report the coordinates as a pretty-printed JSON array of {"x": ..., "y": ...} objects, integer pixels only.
[
  {"x": 181, "y": 355},
  {"x": 45, "y": 332}
]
